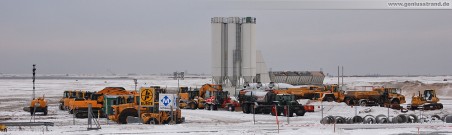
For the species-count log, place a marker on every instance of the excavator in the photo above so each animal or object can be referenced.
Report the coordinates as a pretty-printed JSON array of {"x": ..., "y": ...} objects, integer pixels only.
[
  {"x": 426, "y": 101},
  {"x": 79, "y": 106},
  {"x": 128, "y": 106}
]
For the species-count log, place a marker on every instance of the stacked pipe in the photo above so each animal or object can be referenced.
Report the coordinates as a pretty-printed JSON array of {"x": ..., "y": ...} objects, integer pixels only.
[{"x": 380, "y": 119}]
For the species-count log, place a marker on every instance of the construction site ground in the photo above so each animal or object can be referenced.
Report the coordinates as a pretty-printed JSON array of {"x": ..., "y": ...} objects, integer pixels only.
[{"x": 16, "y": 94}]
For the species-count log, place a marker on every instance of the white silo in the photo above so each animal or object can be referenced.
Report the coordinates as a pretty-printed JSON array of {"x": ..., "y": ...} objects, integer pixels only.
[
  {"x": 217, "y": 49},
  {"x": 233, "y": 49},
  {"x": 248, "y": 49},
  {"x": 232, "y": 25}
]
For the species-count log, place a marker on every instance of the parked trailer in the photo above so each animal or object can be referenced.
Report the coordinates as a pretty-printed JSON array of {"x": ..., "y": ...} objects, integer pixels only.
[{"x": 259, "y": 101}]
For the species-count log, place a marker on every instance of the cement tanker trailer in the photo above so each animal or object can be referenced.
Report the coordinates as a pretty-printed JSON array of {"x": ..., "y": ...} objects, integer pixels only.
[{"x": 259, "y": 101}]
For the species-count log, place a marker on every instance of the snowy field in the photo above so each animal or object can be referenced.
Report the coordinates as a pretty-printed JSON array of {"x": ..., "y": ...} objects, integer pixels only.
[{"x": 16, "y": 93}]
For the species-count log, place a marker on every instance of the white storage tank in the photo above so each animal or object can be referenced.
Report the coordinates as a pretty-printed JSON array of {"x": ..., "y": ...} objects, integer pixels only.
[
  {"x": 216, "y": 49},
  {"x": 232, "y": 23},
  {"x": 248, "y": 49}
]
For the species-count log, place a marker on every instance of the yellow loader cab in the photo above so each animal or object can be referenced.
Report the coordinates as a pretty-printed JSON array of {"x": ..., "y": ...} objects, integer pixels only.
[
  {"x": 3, "y": 128},
  {"x": 162, "y": 117},
  {"x": 38, "y": 105}
]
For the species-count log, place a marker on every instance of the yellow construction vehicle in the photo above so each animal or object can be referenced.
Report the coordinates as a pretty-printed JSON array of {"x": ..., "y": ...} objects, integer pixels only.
[
  {"x": 162, "y": 117},
  {"x": 3, "y": 128},
  {"x": 184, "y": 96},
  {"x": 38, "y": 105},
  {"x": 79, "y": 106},
  {"x": 68, "y": 96},
  {"x": 390, "y": 97},
  {"x": 426, "y": 101},
  {"x": 329, "y": 93},
  {"x": 197, "y": 98},
  {"x": 127, "y": 105},
  {"x": 302, "y": 92}
]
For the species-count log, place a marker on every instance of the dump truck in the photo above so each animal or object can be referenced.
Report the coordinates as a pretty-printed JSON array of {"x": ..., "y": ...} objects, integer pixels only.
[
  {"x": 427, "y": 101},
  {"x": 38, "y": 105},
  {"x": 261, "y": 101},
  {"x": 389, "y": 97}
]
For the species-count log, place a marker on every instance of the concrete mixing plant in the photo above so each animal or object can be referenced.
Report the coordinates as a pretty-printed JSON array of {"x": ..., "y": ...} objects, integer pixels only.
[
  {"x": 235, "y": 59},
  {"x": 234, "y": 50}
]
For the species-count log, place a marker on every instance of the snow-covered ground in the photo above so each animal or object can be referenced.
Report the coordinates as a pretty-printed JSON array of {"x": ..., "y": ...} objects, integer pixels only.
[{"x": 16, "y": 93}]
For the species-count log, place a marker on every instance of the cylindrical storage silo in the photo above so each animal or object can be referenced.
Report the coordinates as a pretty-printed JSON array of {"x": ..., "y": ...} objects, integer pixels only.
[
  {"x": 216, "y": 49},
  {"x": 248, "y": 49},
  {"x": 231, "y": 47}
]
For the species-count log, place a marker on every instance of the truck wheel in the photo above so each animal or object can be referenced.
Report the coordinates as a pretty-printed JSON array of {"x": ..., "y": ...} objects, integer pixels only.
[
  {"x": 363, "y": 103},
  {"x": 213, "y": 107},
  {"x": 125, "y": 113},
  {"x": 61, "y": 107},
  {"x": 192, "y": 106},
  {"x": 206, "y": 107},
  {"x": 81, "y": 115},
  {"x": 32, "y": 110},
  {"x": 231, "y": 108},
  {"x": 300, "y": 112},
  {"x": 45, "y": 111},
  {"x": 288, "y": 113},
  {"x": 329, "y": 99},
  {"x": 347, "y": 101},
  {"x": 246, "y": 109},
  {"x": 395, "y": 103},
  {"x": 152, "y": 121}
]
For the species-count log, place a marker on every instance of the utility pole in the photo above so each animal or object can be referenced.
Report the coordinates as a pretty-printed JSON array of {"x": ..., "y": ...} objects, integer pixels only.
[
  {"x": 338, "y": 74},
  {"x": 135, "y": 81},
  {"x": 342, "y": 77},
  {"x": 34, "y": 74}
]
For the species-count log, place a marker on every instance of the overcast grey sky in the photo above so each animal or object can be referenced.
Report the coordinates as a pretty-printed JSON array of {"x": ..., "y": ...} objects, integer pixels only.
[{"x": 165, "y": 36}]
